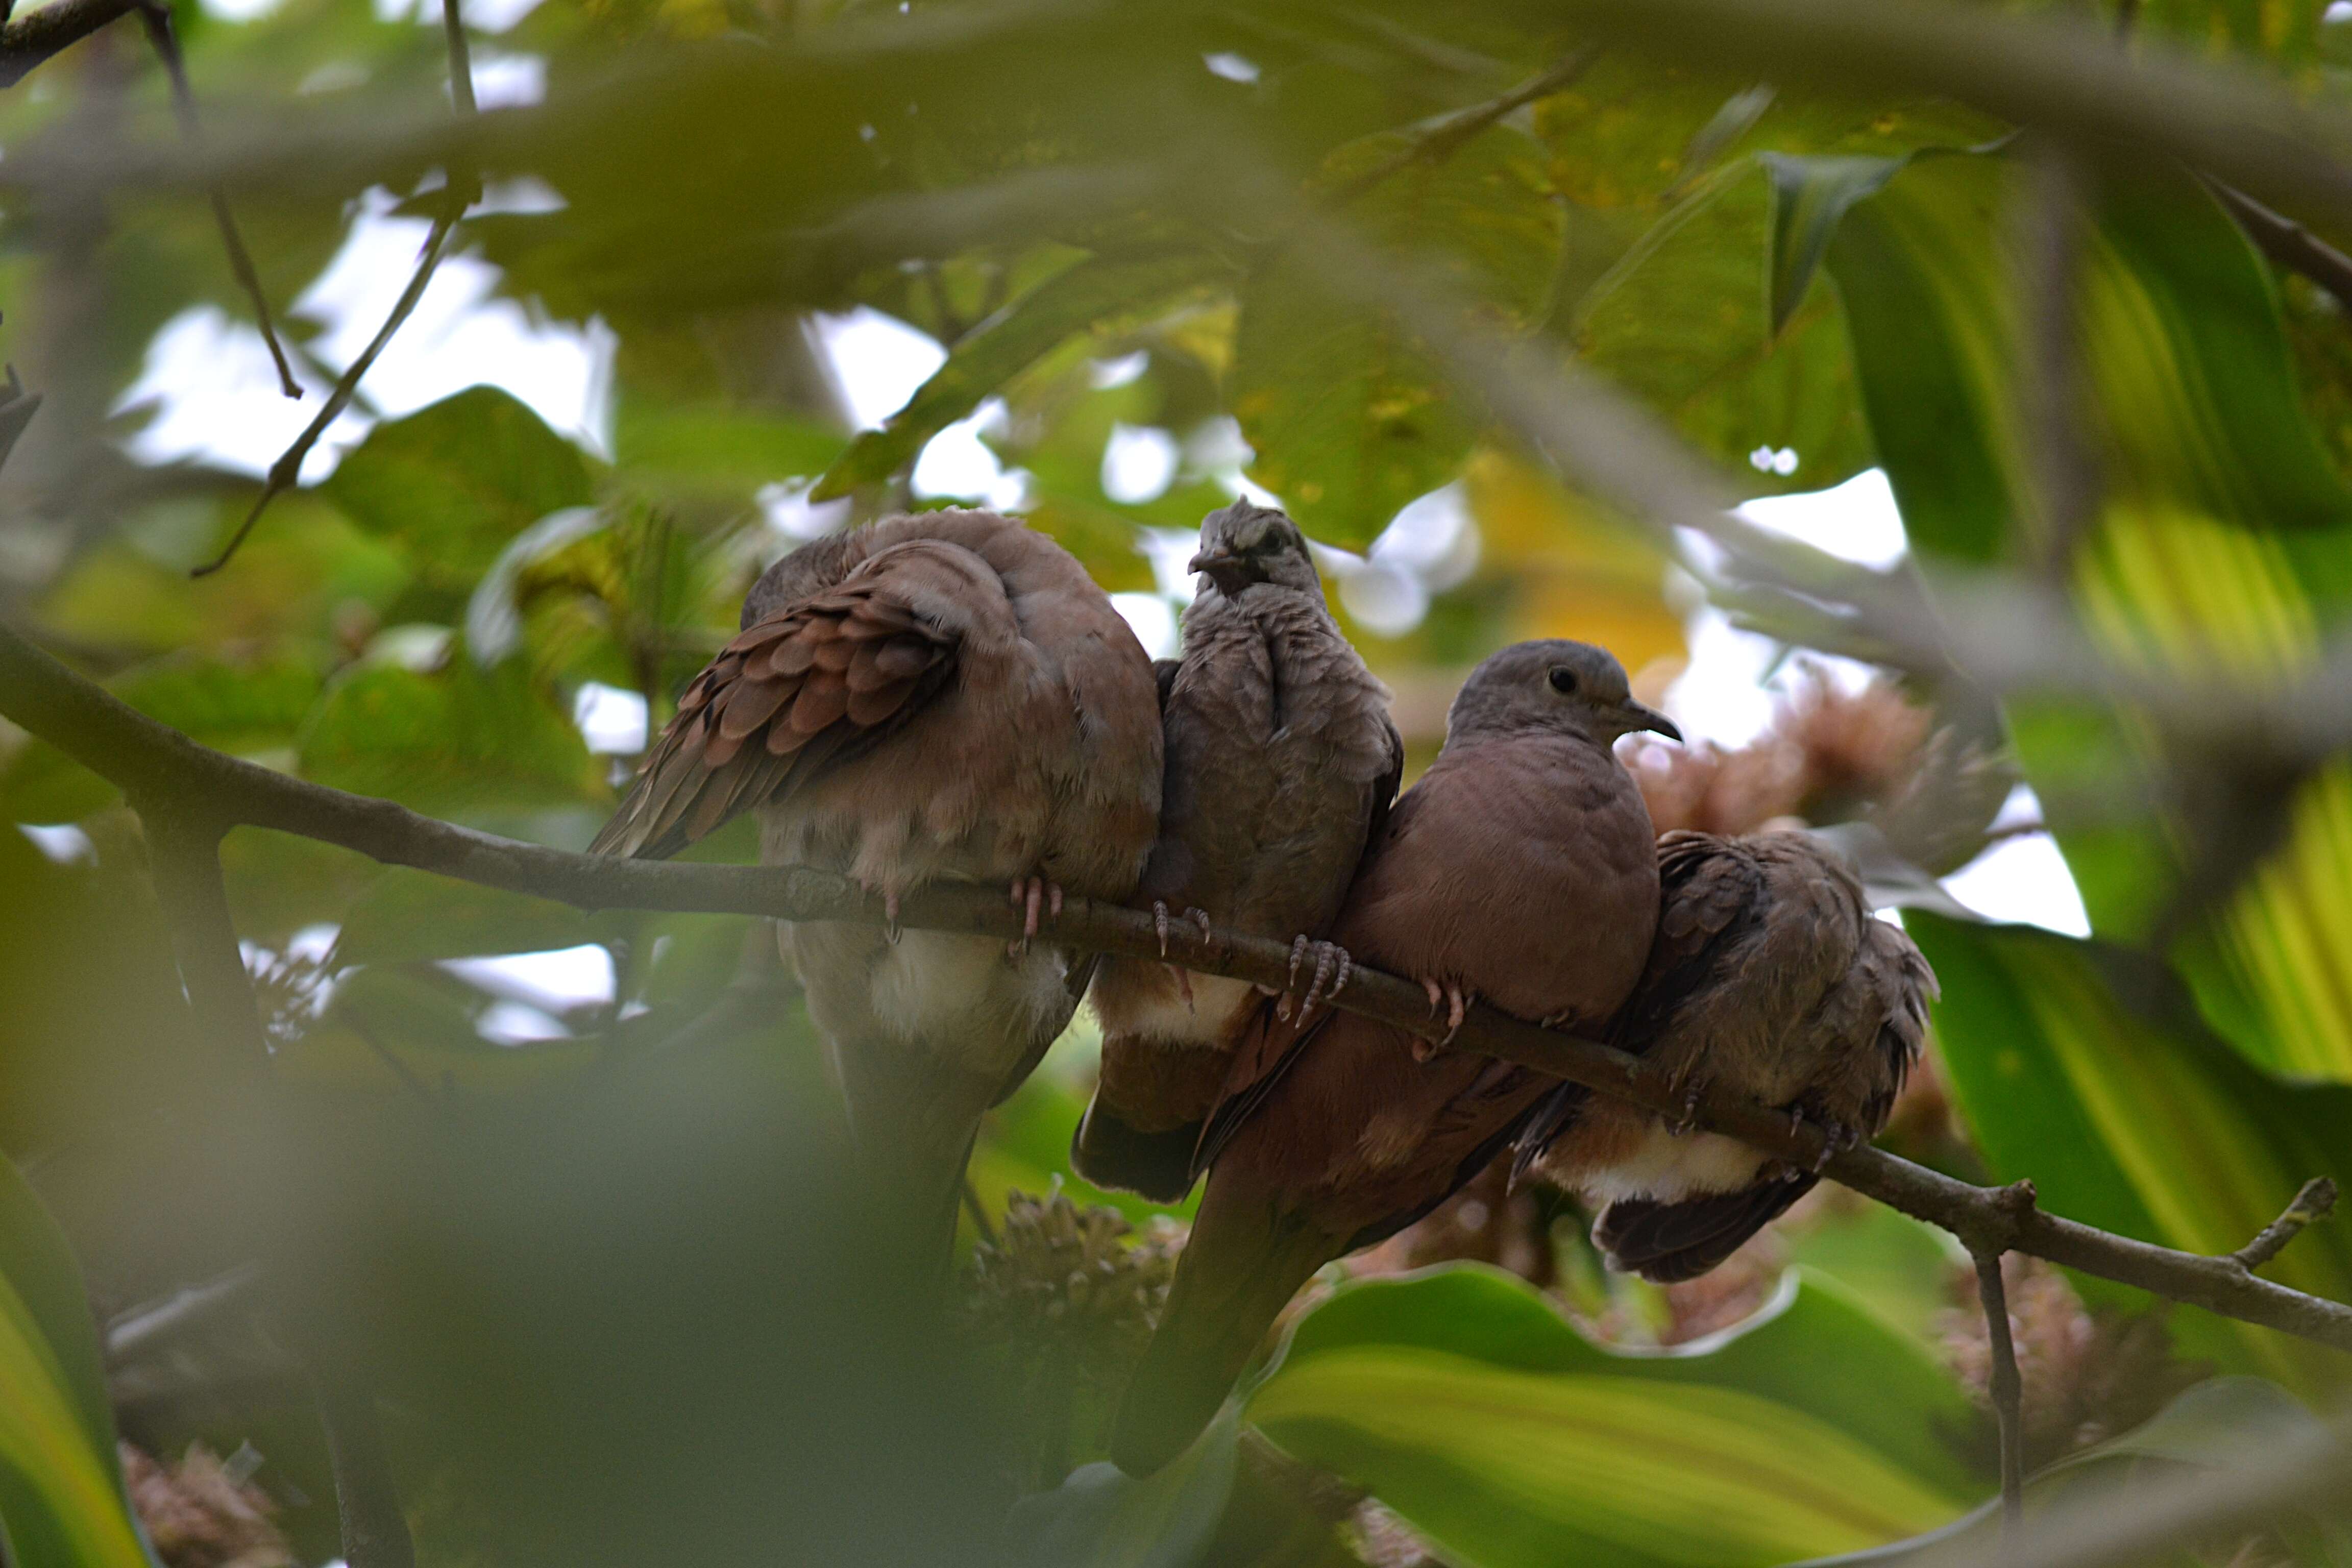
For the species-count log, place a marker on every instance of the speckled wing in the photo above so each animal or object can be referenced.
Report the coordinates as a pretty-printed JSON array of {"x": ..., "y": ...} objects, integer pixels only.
[
  {"x": 816, "y": 684},
  {"x": 1711, "y": 899}
]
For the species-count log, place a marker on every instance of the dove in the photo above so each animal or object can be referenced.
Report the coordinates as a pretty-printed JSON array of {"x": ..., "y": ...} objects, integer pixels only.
[
  {"x": 1519, "y": 868},
  {"x": 944, "y": 697},
  {"x": 1771, "y": 980},
  {"x": 1281, "y": 763}
]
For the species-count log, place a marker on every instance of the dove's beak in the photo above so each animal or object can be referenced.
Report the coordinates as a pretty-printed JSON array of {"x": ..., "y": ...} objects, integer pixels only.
[
  {"x": 1209, "y": 560},
  {"x": 1641, "y": 717}
]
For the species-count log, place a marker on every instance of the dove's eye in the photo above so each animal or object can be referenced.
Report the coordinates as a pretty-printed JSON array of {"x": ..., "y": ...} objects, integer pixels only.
[{"x": 1563, "y": 681}]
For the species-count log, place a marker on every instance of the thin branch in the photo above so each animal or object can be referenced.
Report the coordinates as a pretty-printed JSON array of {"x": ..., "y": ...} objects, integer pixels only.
[
  {"x": 2063, "y": 470},
  {"x": 145, "y": 1327},
  {"x": 464, "y": 189},
  {"x": 157, "y": 14},
  {"x": 2007, "y": 1391},
  {"x": 2288, "y": 243},
  {"x": 2313, "y": 1203},
  {"x": 37, "y": 36},
  {"x": 1440, "y": 139},
  {"x": 120, "y": 743},
  {"x": 287, "y": 472}
]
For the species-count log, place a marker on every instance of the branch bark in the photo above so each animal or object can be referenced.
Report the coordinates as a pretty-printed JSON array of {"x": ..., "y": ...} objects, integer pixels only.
[
  {"x": 27, "y": 40},
  {"x": 2007, "y": 1391},
  {"x": 119, "y": 743}
]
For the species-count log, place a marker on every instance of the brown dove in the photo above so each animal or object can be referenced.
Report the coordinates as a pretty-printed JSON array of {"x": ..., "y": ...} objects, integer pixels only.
[
  {"x": 1769, "y": 979},
  {"x": 1281, "y": 762},
  {"x": 1519, "y": 868},
  {"x": 940, "y": 697}
]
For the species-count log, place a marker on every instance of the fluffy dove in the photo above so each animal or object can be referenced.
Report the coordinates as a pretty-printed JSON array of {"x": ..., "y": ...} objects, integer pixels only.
[
  {"x": 1519, "y": 868},
  {"x": 1281, "y": 763},
  {"x": 940, "y": 697},
  {"x": 1769, "y": 979}
]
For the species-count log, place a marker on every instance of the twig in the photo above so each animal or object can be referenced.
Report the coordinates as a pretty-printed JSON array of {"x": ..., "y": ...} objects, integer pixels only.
[
  {"x": 2289, "y": 244},
  {"x": 2007, "y": 1391},
  {"x": 2313, "y": 1203},
  {"x": 157, "y": 14},
  {"x": 37, "y": 36},
  {"x": 142, "y": 1328},
  {"x": 1440, "y": 139},
  {"x": 464, "y": 189},
  {"x": 120, "y": 743}
]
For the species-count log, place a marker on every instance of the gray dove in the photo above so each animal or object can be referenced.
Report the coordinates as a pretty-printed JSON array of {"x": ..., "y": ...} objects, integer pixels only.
[
  {"x": 1281, "y": 763},
  {"x": 940, "y": 697},
  {"x": 1520, "y": 868},
  {"x": 1769, "y": 979}
]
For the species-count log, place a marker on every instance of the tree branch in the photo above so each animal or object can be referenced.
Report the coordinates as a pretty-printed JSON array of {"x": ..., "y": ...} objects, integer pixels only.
[
  {"x": 2288, "y": 243},
  {"x": 27, "y": 40},
  {"x": 2313, "y": 1203},
  {"x": 2007, "y": 1391},
  {"x": 1440, "y": 139},
  {"x": 120, "y": 743}
]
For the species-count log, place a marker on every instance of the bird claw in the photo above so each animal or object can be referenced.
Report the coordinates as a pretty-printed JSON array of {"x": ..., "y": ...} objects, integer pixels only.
[
  {"x": 1688, "y": 1122},
  {"x": 891, "y": 930},
  {"x": 1033, "y": 896},
  {"x": 1456, "y": 1002},
  {"x": 1160, "y": 923},
  {"x": 1200, "y": 918}
]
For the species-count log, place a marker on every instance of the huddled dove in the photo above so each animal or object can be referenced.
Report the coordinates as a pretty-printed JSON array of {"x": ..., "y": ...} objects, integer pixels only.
[
  {"x": 941, "y": 697},
  {"x": 1769, "y": 978},
  {"x": 1281, "y": 763},
  {"x": 1521, "y": 869}
]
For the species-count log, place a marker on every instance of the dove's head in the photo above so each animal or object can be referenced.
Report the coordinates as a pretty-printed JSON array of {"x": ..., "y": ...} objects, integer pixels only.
[
  {"x": 1551, "y": 685},
  {"x": 1246, "y": 543}
]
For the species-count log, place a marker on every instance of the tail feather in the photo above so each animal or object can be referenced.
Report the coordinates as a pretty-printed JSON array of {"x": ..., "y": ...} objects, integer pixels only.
[
  {"x": 1108, "y": 1151},
  {"x": 1247, "y": 1257},
  {"x": 1666, "y": 1243}
]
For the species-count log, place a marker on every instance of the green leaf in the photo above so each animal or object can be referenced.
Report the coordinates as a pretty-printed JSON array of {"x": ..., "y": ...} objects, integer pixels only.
[
  {"x": 456, "y": 739},
  {"x": 1105, "y": 290},
  {"x": 1809, "y": 195},
  {"x": 1347, "y": 416},
  {"x": 1684, "y": 321},
  {"x": 2223, "y": 1424},
  {"x": 2080, "y": 1067},
  {"x": 1102, "y": 1518},
  {"x": 455, "y": 481},
  {"x": 710, "y": 449},
  {"x": 61, "y": 1503},
  {"x": 407, "y": 915},
  {"x": 1461, "y": 1400}
]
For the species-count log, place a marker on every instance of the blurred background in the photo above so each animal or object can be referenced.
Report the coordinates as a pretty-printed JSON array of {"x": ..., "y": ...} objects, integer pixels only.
[{"x": 567, "y": 1191}]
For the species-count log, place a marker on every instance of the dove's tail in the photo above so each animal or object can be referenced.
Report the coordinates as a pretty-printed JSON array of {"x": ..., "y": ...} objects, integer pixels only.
[
  {"x": 1247, "y": 1257},
  {"x": 1108, "y": 1151},
  {"x": 1668, "y": 1242}
]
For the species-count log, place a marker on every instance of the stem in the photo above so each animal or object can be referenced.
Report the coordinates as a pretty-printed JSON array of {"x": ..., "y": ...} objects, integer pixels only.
[{"x": 2007, "y": 1391}]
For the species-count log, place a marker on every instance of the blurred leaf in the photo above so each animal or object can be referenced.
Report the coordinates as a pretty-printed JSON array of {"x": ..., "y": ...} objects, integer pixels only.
[
  {"x": 450, "y": 740},
  {"x": 705, "y": 449},
  {"x": 2079, "y": 1066},
  {"x": 2224, "y": 1424},
  {"x": 61, "y": 1503},
  {"x": 1081, "y": 297},
  {"x": 2183, "y": 343},
  {"x": 455, "y": 481},
  {"x": 1461, "y": 1399},
  {"x": 1102, "y": 1518},
  {"x": 406, "y": 915},
  {"x": 1347, "y": 416},
  {"x": 1685, "y": 320},
  {"x": 493, "y": 618},
  {"x": 1809, "y": 196},
  {"x": 1024, "y": 1143},
  {"x": 1572, "y": 570}
]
